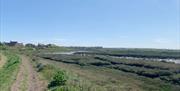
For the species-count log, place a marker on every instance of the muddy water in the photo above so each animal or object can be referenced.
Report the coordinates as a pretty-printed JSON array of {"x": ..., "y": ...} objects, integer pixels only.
[{"x": 177, "y": 61}]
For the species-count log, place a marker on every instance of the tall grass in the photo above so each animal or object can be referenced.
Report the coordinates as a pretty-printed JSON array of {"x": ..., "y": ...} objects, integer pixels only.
[
  {"x": 9, "y": 71},
  {"x": 74, "y": 82}
]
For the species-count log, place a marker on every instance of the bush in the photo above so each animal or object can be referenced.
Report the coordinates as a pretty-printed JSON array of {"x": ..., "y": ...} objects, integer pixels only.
[
  {"x": 60, "y": 78},
  {"x": 39, "y": 67}
]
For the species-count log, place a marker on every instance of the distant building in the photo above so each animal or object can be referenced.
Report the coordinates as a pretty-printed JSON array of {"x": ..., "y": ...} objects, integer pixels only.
[{"x": 14, "y": 43}]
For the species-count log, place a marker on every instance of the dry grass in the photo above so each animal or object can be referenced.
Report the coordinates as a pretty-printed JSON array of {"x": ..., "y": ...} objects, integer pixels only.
[{"x": 2, "y": 60}]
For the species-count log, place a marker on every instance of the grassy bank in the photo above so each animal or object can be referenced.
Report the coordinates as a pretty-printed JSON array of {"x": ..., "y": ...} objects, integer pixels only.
[
  {"x": 64, "y": 80},
  {"x": 111, "y": 74},
  {"x": 9, "y": 71}
]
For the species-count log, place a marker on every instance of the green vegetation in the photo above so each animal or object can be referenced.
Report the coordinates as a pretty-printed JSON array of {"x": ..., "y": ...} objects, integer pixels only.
[
  {"x": 3, "y": 47},
  {"x": 134, "y": 52},
  {"x": 59, "y": 79},
  {"x": 9, "y": 71},
  {"x": 98, "y": 69},
  {"x": 156, "y": 75}
]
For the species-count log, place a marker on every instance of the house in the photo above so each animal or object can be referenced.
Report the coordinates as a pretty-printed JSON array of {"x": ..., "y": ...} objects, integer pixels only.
[{"x": 14, "y": 43}]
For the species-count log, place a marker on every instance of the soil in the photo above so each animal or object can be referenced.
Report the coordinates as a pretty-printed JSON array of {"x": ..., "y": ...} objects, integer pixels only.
[{"x": 27, "y": 78}]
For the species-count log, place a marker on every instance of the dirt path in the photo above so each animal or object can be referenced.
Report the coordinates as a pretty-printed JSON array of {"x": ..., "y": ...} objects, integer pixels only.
[
  {"x": 27, "y": 78},
  {"x": 2, "y": 60}
]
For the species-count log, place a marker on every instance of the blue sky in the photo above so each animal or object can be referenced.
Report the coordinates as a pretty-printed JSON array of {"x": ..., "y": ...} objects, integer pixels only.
[{"x": 108, "y": 23}]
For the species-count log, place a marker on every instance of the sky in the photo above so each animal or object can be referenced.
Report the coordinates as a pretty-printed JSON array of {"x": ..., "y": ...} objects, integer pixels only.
[{"x": 107, "y": 23}]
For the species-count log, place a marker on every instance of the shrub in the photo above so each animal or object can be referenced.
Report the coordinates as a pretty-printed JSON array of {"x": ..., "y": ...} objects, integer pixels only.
[
  {"x": 39, "y": 67},
  {"x": 60, "y": 78}
]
